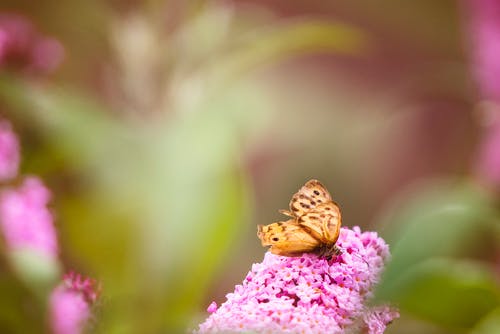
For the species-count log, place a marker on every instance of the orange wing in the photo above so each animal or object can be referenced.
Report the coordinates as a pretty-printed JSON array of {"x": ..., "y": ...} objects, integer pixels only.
[
  {"x": 286, "y": 238},
  {"x": 323, "y": 222},
  {"x": 311, "y": 195}
]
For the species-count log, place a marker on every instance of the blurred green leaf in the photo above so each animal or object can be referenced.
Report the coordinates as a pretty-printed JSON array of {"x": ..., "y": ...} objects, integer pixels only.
[
  {"x": 490, "y": 324},
  {"x": 451, "y": 293},
  {"x": 40, "y": 273},
  {"x": 441, "y": 219},
  {"x": 87, "y": 128},
  {"x": 267, "y": 45},
  {"x": 20, "y": 311}
]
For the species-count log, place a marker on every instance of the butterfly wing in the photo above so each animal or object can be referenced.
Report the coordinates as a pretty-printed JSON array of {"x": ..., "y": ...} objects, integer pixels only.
[
  {"x": 286, "y": 238},
  {"x": 323, "y": 222},
  {"x": 311, "y": 195}
]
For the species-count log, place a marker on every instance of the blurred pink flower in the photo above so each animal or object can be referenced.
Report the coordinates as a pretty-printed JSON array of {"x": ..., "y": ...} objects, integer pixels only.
[
  {"x": 377, "y": 319},
  {"x": 21, "y": 46},
  {"x": 307, "y": 294},
  {"x": 25, "y": 220},
  {"x": 483, "y": 26},
  {"x": 9, "y": 152},
  {"x": 484, "y": 31},
  {"x": 70, "y": 304}
]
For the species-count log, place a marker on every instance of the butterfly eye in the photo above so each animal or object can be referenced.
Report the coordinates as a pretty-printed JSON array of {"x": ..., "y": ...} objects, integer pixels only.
[{"x": 276, "y": 239}]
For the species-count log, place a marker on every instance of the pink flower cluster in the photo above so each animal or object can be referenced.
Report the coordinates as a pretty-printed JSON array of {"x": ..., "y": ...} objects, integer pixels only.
[
  {"x": 308, "y": 294},
  {"x": 21, "y": 46},
  {"x": 25, "y": 219},
  {"x": 70, "y": 304}
]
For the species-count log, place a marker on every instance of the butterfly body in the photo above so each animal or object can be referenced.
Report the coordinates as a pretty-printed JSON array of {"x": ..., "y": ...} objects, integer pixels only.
[{"x": 314, "y": 225}]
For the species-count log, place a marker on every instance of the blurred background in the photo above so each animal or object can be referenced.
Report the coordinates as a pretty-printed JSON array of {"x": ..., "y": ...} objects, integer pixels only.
[{"x": 167, "y": 130}]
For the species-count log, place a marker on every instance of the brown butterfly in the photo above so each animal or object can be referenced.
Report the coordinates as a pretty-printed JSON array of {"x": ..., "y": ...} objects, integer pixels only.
[{"x": 314, "y": 225}]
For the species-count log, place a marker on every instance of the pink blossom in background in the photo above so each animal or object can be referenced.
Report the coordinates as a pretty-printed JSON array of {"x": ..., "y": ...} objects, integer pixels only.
[
  {"x": 308, "y": 294},
  {"x": 9, "y": 152},
  {"x": 484, "y": 35},
  {"x": 483, "y": 27},
  {"x": 25, "y": 220},
  {"x": 70, "y": 304},
  {"x": 47, "y": 54},
  {"x": 23, "y": 47}
]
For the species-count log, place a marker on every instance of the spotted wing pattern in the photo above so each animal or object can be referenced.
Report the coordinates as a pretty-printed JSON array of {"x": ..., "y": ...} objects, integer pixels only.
[
  {"x": 312, "y": 194},
  {"x": 286, "y": 238},
  {"x": 322, "y": 222}
]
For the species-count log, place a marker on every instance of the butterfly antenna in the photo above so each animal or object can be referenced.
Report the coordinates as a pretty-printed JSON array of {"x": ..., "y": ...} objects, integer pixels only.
[{"x": 287, "y": 213}]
